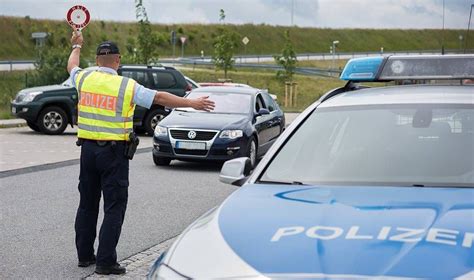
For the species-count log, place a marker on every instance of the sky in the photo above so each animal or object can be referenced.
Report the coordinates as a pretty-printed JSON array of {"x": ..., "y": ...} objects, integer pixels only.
[{"x": 404, "y": 14}]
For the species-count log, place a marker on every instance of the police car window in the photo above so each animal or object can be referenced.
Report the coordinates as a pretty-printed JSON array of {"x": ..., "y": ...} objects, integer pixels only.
[
  {"x": 140, "y": 76},
  {"x": 163, "y": 80},
  {"x": 402, "y": 145}
]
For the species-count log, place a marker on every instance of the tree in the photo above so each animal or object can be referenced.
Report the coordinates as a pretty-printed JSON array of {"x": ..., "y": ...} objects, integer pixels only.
[
  {"x": 225, "y": 44},
  {"x": 147, "y": 39},
  {"x": 287, "y": 60},
  {"x": 50, "y": 65},
  {"x": 221, "y": 15}
]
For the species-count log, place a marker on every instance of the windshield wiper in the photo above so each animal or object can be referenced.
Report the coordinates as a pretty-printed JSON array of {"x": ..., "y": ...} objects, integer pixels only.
[{"x": 282, "y": 182}]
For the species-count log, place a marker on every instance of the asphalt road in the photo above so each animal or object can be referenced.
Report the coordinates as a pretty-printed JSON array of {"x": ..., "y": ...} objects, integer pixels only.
[{"x": 37, "y": 211}]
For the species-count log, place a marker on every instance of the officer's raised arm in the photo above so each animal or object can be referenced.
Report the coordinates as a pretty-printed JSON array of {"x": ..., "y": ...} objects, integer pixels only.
[{"x": 74, "y": 57}]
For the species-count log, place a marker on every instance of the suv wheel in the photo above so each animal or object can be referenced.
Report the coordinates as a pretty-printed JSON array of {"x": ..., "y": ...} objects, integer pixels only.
[
  {"x": 161, "y": 161},
  {"x": 152, "y": 119},
  {"x": 33, "y": 126},
  {"x": 52, "y": 120}
]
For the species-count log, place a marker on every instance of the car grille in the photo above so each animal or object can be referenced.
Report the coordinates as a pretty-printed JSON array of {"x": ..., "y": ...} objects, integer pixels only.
[
  {"x": 200, "y": 135},
  {"x": 190, "y": 152}
]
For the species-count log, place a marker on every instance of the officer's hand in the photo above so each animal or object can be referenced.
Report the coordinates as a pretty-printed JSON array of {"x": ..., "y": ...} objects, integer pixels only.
[
  {"x": 203, "y": 103},
  {"x": 77, "y": 38}
]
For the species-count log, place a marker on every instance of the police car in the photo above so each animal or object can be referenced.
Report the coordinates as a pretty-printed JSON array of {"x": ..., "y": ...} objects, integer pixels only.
[{"x": 366, "y": 183}]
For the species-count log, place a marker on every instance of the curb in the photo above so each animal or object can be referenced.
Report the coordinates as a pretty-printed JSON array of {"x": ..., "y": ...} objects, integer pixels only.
[
  {"x": 12, "y": 123},
  {"x": 139, "y": 264}
]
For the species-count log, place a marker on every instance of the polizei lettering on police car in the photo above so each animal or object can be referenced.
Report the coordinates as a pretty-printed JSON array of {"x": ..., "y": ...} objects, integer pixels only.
[{"x": 400, "y": 234}]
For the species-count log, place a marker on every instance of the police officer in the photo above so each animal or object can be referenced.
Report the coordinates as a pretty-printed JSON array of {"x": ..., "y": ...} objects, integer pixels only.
[{"x": 106, "y": 105}]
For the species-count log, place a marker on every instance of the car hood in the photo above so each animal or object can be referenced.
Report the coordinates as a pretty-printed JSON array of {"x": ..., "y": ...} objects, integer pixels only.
[
  {"x": 284, "y": 231},
  {"x": 201, "y": 120},
  {"x": 45, "y": 88}
]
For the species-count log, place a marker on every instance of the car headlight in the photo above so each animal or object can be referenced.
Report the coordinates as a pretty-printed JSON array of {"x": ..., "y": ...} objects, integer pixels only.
[
  {"x": 161, "y": 131},
  {"x": 164, "y": 272},
  {"x": 232, "y": 134},
  {"x": 29, "y": 96}
]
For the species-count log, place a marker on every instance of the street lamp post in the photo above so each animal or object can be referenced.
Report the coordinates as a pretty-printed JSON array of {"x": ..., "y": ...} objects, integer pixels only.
[
  {"x": 334, "y": 43},
  {"x": 460, "y": 43}
]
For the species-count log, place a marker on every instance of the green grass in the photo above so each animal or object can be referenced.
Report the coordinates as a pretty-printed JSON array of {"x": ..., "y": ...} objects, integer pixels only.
[
  {"x": 16, "y": 40},
  {"x": 309, "y": 88}
]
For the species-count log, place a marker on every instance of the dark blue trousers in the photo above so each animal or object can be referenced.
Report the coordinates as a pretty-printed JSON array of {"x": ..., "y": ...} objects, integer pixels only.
[{"x": 104, "y": 169}]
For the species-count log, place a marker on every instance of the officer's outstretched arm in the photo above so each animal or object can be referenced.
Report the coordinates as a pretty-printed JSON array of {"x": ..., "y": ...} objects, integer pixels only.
[{"x": 169, "y": 100}]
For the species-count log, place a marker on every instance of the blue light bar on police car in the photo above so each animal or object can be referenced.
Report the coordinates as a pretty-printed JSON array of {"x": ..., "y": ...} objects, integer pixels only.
[
  {"x": 416, "y": 67},
  {"x": 362, "y": 69}
]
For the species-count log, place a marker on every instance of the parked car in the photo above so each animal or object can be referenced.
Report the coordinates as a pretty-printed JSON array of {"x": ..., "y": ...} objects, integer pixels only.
[
  {"x": 245, "y": 122},
  {"x": 49, "y": 109},
  {"x": 367, "y": 183}
]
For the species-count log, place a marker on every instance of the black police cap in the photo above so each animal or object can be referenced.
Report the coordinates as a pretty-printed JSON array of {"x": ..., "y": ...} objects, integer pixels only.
[{"x": 107, "y": 47}]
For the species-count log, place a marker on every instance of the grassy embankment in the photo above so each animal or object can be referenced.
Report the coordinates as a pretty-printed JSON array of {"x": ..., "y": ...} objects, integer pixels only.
[
  {"x": 16, "y": 40},
  {"x": 16, "y": 43}
]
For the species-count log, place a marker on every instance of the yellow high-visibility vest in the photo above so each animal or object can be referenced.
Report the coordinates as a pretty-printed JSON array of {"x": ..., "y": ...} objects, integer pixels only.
[{"x": 105, "y": 106}]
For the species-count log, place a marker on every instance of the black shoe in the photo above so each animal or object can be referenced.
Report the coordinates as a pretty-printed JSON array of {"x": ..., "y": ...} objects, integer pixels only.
[
  {"x": 114, "y": 269},
  {"x": 86, "y": 263}
]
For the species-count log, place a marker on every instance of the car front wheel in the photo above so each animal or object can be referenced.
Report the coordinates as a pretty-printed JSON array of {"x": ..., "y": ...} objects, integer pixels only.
[
  {"x": 252, "y": 152},
  {"x": 52, "y": 120}
]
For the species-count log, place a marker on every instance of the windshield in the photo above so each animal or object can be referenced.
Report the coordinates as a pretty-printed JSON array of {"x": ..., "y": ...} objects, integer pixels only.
[
  {"x": 228, "y": 103},
  {"x": 424, "y": 145}
]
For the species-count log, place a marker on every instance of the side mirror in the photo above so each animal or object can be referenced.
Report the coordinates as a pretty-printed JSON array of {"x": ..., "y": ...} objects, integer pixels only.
[
  {"x": 263, "y": 111},
  {"x": 235, "y": 171}
]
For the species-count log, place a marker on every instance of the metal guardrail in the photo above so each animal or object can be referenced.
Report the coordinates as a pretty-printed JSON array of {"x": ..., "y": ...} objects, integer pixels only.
[
  {"x": 7, "y": 65},
  {"x": 340, "y": 54}
]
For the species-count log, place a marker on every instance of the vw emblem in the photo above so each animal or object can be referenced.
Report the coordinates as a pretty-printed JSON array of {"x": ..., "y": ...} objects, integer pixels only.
[{"x": 192, "y": 134}]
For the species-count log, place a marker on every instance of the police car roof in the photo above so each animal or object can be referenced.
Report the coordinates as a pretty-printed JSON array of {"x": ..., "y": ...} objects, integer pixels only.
[{"x": 414, "y": 94}]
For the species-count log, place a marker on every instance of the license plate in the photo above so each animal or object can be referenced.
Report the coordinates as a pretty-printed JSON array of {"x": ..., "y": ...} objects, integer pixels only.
[
  {"x": 190, "y": 145},
  {"x": 14, "y": 110}
]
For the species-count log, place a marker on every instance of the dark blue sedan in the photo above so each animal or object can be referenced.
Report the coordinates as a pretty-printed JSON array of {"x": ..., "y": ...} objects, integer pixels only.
[{"x": 244, "y": 123}]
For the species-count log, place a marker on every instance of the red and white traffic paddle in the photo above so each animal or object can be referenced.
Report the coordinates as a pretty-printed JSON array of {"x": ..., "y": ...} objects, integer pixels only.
[{"x": 78, "y": 17}]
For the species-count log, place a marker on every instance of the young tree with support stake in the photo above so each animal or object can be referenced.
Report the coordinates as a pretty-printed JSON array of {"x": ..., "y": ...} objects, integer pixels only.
[
  {"x": 148, "y": 40},
  {"x": 225, "y": 44},
  {"x": 288, "y": 61}
]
